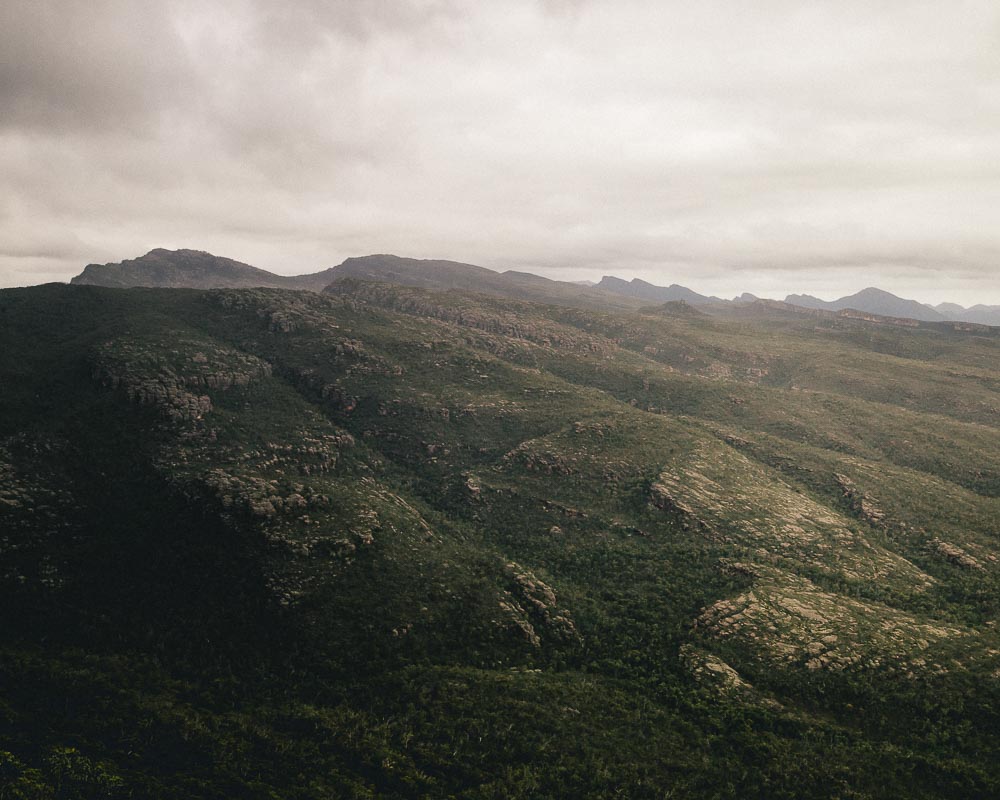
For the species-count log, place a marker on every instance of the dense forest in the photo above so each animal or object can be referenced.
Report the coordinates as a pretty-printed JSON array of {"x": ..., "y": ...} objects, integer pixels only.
[{"x": 388, "y": 541}]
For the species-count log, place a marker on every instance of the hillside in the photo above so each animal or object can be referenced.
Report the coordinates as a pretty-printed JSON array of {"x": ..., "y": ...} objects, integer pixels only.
[{"x": 394, "y": 541}]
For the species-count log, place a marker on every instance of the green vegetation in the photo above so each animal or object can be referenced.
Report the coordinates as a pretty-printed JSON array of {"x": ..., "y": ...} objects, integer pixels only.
[{"x": 393, "y": 542}]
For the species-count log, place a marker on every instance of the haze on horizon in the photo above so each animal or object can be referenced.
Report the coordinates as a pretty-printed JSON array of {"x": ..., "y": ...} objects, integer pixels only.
[{"x": 775, "y": 148}]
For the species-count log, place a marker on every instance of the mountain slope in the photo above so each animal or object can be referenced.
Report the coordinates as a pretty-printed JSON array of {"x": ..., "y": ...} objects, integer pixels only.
[{"x": 391, "y": 541}]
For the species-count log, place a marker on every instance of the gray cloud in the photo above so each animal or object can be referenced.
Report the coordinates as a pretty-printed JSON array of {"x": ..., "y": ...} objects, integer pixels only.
[{"x": 771, "y": 147}]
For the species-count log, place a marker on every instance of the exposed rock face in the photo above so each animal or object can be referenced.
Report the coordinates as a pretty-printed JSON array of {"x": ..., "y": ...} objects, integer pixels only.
[
  {"x": 171, "y": 398},
  {"x": 473, "y": 487},
  {"x": 863, "y": 505},
  {"x": 903, "y": 322},
  {"x": 516, "y": 618},
  {"x": 535, "y": 460},
  {"x": 260, "y": 497},
  {"x": 710, "y": 670},
  {"x": 955, "y": 554},
  {"x": 660, "y": 497},
  {"x": 530, "y": 606},
  {"x": 744, "y": 503},
  {"x": 174, "y": 380},
  {"x": 786, "y": 619}
]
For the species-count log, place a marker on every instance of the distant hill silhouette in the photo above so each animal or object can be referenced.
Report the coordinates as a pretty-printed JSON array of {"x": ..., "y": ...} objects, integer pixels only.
[
  {"x": 872, "y": 301},
  {"x": 196, "y": 269},
  {"x": 650, "y": 292},
  {"x": 175, "y": 269}
]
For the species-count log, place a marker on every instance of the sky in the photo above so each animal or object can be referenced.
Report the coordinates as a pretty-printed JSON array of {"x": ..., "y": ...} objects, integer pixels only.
[{"x": 771, "y": 147}]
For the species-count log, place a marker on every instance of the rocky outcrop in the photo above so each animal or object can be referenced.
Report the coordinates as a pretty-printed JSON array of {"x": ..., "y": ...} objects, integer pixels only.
[
  {"x": 529, "y": 605},
  {"x": 172, "y": 399},
  {"x": 863, "y": 505},
  {"x": 663, "y": 497},
  {"x": 786, "y": 619},
  {"x": 711, "y": 671},
  {"x": 174, "y": 380},
  {"x": 903, "y": 322},
  {"x": 955, "y": 554},
  {"x": 546, "y": 461}
]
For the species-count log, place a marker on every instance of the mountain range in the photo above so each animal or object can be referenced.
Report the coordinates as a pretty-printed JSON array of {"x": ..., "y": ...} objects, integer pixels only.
[
  {"x": 877, "y": 301},
  {"x": 655, "y": 294},
  {"x": 196, "y": 269},
  {"x": 417, "y": 541},
  {"x": 200, "y": 270}
]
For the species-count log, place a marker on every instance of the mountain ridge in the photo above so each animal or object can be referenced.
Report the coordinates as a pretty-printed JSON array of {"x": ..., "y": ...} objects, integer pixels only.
[
  {"x": 872, "y": 300},
  {"x": 650, "y": 292},
  {"x": 198, "y": 269}
]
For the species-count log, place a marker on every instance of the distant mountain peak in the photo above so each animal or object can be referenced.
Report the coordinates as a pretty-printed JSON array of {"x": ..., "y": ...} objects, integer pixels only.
[
  {"x": 657, "y": 294},
  {"x": 197, "y": 269},
  {"x": 871, "y": 300},
  {"x": 183, "y": 268}
]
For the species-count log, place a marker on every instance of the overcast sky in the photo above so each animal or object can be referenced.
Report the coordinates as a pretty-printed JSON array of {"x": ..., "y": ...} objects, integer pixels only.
[{"x": 770, "y": 147}]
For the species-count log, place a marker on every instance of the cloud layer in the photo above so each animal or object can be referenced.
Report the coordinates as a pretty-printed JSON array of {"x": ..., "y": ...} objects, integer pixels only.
[{"x": 770, "y": 147}]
